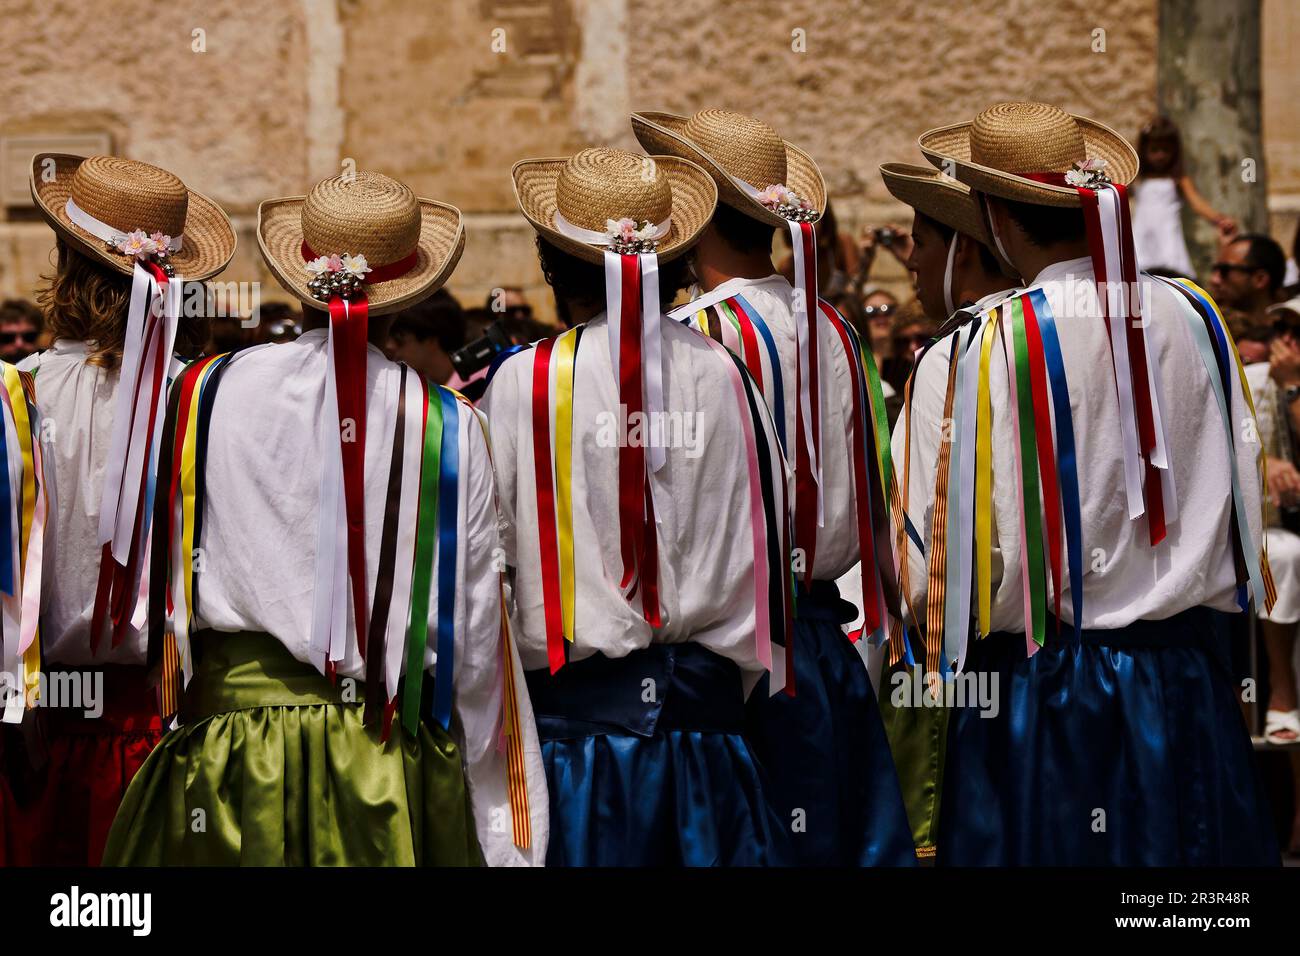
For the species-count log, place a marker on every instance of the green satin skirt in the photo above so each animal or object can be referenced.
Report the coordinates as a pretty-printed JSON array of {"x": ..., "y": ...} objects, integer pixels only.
[
  {"x": 271, "y": 767},
  {"x": 918, "y": 737}
]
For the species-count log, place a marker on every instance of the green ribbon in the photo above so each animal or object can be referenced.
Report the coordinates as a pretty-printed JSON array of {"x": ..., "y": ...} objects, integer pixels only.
[
  {"x": 426, "y": 538},
  {"x": 1029, "y": 478}
]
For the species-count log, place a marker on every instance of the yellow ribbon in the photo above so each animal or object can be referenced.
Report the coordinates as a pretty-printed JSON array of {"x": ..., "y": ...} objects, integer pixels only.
[
  {"x": 23, "y": 426},
  {"x": 565, "y": 359}
]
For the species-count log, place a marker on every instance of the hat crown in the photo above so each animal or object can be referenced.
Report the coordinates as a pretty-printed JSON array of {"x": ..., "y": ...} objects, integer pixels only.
[
  {"x": 364, "y": 213},
  {"x": 600, "y": 183},
  {"x": 746, "y": 148},
  {"x": 1027, "y": 138},
  {"x": 128, "y": 195}
]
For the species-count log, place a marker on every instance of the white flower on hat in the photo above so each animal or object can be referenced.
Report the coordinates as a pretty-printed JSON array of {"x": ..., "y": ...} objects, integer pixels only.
[
  {"x": 319, "y": 265},
  {"x": 1088, "y": 174},
  {"x": 356, "y": 265},
  {"x": 162, "y": 243},
  {"x": 136, "y": 244}
]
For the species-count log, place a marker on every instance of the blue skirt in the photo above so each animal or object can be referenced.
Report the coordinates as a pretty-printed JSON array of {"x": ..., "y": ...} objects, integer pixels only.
[
  {"x": 1125, "y": 749},
  {"x": 647, "y": 765},
  {"x": 825, "y": 749}
]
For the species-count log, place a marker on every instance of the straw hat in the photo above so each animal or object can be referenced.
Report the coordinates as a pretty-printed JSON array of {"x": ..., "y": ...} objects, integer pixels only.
[
  {"x": 599, "y": 185},
  {"x": 1009, "y": 144},
  {"x": 367, "y": 214},
  {"x": 937, "y": 196},
  {"x": 731, "y": 145},
  {"x": 125, "y": 196}
]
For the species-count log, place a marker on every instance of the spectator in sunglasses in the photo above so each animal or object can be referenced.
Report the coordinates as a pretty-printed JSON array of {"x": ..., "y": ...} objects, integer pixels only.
[
  {"x": 20, "y": 327},
  {"x": 1248, "y": 274}
]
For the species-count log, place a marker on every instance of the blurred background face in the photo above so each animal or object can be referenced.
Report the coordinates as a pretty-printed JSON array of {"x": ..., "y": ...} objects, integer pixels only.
[
  {"x": 426, "y": 356},
  {"x": 1233, "y": 282},
  {"x": 927, "y": 262},
  {"x": 878, "y": 310},
  {"x": 17, "y": 338},
  {"x": 1160, "y": 155}
]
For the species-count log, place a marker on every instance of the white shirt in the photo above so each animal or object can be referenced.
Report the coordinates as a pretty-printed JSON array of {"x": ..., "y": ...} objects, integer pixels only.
[
  {"x": 259, "y": 544},
  {"x": 1125, "y": 579},
  {"x": 77, "y": 402},
  {"x": 837, "y": 538},
  {"x": 701, "y": 497}
]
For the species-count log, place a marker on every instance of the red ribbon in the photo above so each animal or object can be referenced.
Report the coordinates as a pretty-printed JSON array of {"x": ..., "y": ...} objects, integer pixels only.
[
  {"x": 547, "y": 537},
  {"x": 805, "y": 492},
  {"x": 1153, "y": 490},
  {"x": 631, "y": 457},
  {"x": 1046, "y": 455},
  {"x": 377, "y": 273},
  {"x": 350, "y": 327}
]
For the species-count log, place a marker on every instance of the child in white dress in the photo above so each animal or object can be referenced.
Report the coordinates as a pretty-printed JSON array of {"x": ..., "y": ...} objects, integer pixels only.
[{"x": 1158, "y": 194}]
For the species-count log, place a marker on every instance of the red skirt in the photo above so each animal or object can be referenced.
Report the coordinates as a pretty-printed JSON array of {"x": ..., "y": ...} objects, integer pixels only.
[{"x": 64, "y": 773}]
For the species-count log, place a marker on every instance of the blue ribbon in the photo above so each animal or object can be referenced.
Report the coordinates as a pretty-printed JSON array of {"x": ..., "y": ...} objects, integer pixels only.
[
  {"x": 1066, "y": 459},
  {"x": 1200, "y": 312},
  {"x": 448, "y": 514},
  {"x": 774, "y": 359},
  {"x": 6, "y": 516}
]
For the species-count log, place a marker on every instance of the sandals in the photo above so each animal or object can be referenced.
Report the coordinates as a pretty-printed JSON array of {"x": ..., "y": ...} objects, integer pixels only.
[{"x": 1278, "y": 723}]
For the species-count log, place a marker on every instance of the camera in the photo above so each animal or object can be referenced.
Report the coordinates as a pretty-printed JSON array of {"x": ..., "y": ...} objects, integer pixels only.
[
  {"x": 478, "y": 355},
  {"x": 885, "y": 235}
]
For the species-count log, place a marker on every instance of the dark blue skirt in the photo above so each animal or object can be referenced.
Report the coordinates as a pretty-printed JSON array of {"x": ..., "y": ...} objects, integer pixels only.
[
  {"x": 825, "y": 749},
  {"x": 1128, "y": 749},
  {"x": 647, "y": 765}
]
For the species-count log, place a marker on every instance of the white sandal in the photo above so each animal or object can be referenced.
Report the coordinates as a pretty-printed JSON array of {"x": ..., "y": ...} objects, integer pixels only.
[{"x": 1277, "y": 722}]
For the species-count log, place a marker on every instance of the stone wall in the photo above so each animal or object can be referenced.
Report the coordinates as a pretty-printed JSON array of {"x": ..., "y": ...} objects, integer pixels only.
[{"x": 448, "y": 94}]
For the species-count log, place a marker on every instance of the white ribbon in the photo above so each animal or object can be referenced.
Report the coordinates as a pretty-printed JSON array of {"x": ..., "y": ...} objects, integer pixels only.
[
  {"x": 408, "y": 512},
  {"x": 102, "y": 230},
  {"x": 593, "y": 237},
  {"x": 948, "y": 305},
  {"x": 652, "y": 360},
  {"x": 1118, "y": 307},
  {"x": 329, "y": 594}
]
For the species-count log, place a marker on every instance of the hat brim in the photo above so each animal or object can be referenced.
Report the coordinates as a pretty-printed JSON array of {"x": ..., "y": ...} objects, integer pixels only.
[
  {"x": 665, "y": 133},
  {"x": 441, "y": 242},
  {"x": 948, "y": 148},
  {"x": 937, "y": 196},
  {"x": 207, "y": 243},
  {"x": 694, "y": 198}
]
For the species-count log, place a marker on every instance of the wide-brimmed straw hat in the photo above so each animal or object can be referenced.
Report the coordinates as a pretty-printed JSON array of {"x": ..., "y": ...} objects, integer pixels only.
[
  {"x": 732, "y": 146},
  {"x": 410, "y": 244},
  {"x": 1009, "y": 145},
  {"x": 112, "y": 195},
  {"x": 572, "y": 201},
  {"x": 937, "y": 196}
]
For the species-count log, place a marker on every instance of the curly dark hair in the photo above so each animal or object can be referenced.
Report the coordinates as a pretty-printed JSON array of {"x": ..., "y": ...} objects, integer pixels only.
[
  {"x": 576, "y": 281},
  {"x": 87, "y": 302}
]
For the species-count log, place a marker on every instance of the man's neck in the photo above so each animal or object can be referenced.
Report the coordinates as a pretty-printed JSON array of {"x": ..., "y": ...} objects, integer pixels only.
[
  {"x": 977, "y": 287},
  {"x": 376, "y": 328},
  {"x": 716, "y": 262},
  {"x": 1034, "y": 259}
]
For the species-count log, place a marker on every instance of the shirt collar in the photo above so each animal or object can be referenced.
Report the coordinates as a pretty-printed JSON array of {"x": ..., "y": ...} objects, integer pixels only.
[{"x": 1066, "y": 267}]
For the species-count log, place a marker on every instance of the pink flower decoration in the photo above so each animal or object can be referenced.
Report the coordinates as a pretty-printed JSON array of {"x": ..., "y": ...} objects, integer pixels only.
[{"x": 335, "y": 264}]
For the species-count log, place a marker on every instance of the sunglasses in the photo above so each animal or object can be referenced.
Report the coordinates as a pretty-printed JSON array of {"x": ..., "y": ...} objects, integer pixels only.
[
  {"x": 879, "y": 311},
  {"x": 9, "y": 338},
  {"x": 1222, "y": 268}
]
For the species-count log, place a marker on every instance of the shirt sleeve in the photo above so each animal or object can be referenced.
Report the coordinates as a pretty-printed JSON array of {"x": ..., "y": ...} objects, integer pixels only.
[{"x": 484, "y": 653}]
